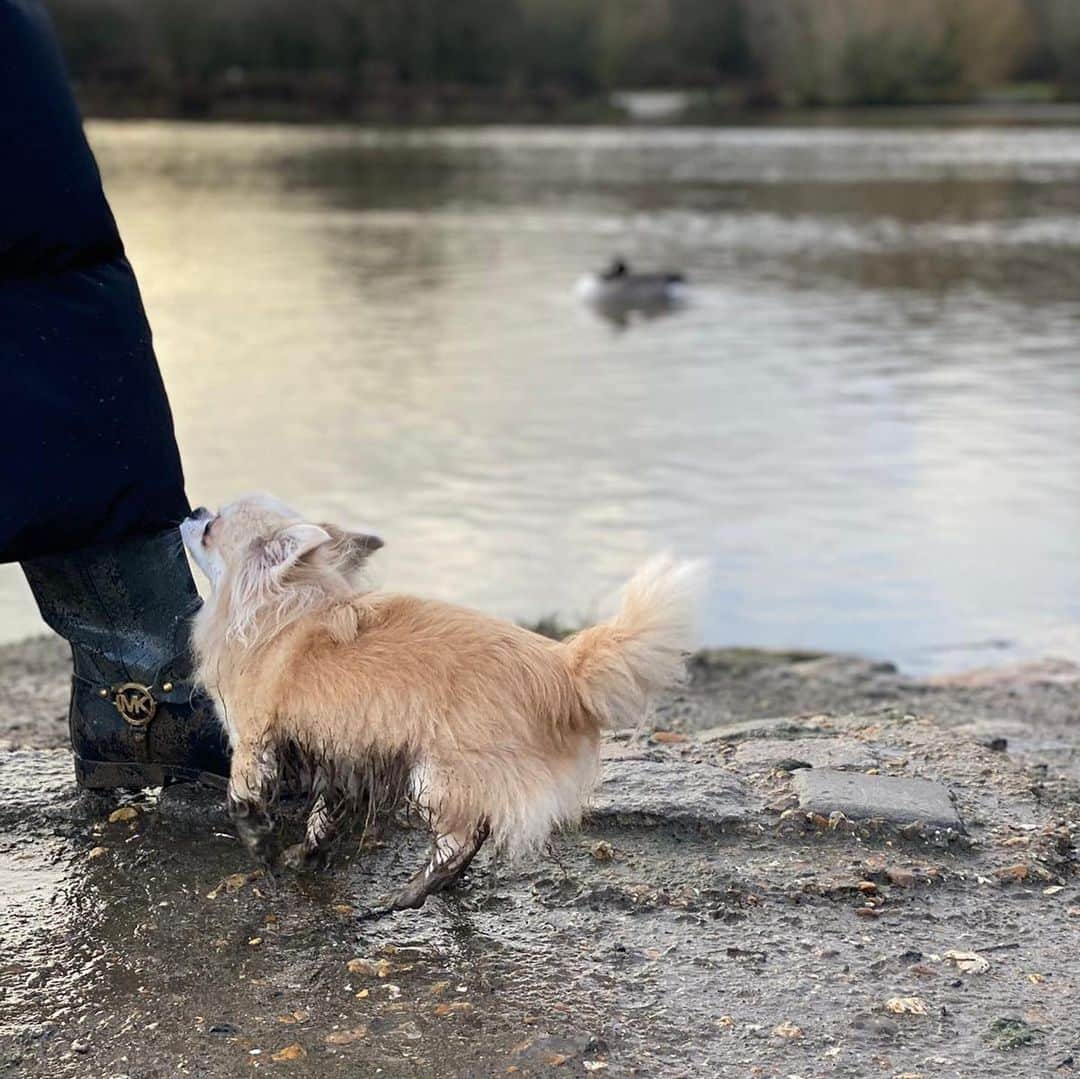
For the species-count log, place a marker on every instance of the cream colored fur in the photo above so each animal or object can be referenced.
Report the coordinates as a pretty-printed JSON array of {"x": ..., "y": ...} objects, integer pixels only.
[{"x": 497, "y": 724}]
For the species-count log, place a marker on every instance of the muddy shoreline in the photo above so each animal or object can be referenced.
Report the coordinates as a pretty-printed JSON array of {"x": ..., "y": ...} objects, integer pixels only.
[{"x": 771, "y": 882}]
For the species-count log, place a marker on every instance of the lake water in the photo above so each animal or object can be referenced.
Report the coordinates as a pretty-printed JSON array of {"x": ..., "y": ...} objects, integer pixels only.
[{"x": 866, "y": 418}]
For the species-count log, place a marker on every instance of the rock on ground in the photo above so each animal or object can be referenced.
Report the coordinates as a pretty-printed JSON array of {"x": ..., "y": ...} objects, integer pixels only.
[{"x": 895, "y": 801}]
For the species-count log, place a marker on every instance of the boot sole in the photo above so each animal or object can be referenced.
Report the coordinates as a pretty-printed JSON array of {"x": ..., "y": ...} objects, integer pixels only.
[{"x": 132, "y": 775}]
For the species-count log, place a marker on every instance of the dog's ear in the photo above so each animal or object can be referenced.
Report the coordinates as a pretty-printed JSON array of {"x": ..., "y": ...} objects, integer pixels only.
[
  {"x": 350, "y": 549},
  {"x": 262, "y": 575},
  {"x": 288, "y": 546}
]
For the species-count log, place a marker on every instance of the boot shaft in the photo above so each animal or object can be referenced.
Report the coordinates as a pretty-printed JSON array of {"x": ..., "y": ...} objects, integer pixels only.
[{"x": 125, "y": 609}]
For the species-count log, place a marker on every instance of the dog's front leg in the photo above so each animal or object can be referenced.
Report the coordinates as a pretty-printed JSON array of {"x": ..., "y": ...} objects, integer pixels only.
[
  {"x": 253, "y": 786},
  {"x": 319, "y": 832}
]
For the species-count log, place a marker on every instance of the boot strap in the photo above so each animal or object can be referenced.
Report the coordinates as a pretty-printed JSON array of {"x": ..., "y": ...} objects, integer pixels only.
[{"x": 136, "y": 704}]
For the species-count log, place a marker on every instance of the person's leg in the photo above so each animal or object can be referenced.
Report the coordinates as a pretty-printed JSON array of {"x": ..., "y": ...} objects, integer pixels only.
[{"x": 91, "y": 487}]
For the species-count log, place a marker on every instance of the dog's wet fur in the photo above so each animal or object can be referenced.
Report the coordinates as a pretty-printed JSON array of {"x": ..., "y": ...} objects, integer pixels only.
[{"x": 368, "y": 701}]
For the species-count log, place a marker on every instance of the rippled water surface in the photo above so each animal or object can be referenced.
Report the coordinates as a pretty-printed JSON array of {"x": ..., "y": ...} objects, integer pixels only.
[{"x": 867, "y": 418}]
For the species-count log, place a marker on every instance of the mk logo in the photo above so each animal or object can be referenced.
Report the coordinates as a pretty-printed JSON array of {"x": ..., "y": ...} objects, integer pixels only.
[{"x": 135, "y": 703}]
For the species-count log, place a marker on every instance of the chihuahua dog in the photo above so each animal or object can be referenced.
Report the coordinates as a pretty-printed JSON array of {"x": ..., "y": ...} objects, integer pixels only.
[{"x": 483, "y": 727}]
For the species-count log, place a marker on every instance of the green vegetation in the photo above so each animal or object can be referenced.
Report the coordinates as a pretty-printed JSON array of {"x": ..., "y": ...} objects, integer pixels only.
[{"x": 363, "y": 58}]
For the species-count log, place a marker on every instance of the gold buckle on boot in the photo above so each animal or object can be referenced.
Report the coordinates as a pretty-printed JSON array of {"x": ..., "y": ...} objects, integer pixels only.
[{"x": 135, "y": 703}]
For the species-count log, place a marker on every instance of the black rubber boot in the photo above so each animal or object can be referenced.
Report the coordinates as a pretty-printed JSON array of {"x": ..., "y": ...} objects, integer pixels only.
[{"x": 136, "y": 718}]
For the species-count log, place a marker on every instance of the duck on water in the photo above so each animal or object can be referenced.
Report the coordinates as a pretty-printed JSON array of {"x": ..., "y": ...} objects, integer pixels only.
[{"x": 620, "y": 288}]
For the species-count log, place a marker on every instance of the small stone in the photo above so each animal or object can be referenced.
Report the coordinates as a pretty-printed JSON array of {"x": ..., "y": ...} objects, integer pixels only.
[
  {"x": 1010, "y": 873},
  {"x": 255, "y": 942},
  {"x": 669, "y": 737},
  {"x": 80, "y": 1047},
  {"x": 868, "y": 912},
  {"x": 346, "y": 1037},
  {"x": 291, "y": 1052},
  {"x": 98, "y": 852},
  {"x": 370, "y": 968},
  {"x": 902, "y": 878},
  {"x": 867, "y": 887},
  {"x": 788, "y": 1029},
  {"x": 603, "y": 852},
  {"x": 906, "y": 1006},
  {"x": 456, "y": 1007},
  {"x": 124, "y": 813},
  {"x": 968, "y": 962}
]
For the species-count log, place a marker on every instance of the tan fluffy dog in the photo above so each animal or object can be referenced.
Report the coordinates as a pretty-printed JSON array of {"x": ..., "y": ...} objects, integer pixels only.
[{"x": 486, "y": 728}]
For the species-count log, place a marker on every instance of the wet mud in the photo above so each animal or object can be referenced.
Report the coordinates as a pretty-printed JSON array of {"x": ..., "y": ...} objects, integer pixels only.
[{"x": 715, "y": 915}]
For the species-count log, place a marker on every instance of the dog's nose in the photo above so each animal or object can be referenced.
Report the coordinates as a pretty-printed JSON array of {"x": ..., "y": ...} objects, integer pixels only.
[{"x": 199, "y": 513}]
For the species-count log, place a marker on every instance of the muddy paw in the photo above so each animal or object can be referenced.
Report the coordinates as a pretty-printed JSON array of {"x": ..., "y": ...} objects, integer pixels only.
[
  {"x": 411, "y": 897},
  {"x": 297, "y": 857},
  {"x": 259, "y": 842}
]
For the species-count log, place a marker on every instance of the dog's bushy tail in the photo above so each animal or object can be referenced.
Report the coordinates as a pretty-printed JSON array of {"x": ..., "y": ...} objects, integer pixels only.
[{"x": 620, "y": 664}]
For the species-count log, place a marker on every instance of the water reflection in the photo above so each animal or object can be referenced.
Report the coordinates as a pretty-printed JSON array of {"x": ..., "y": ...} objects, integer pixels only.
[{"x": 867, "y": 411}]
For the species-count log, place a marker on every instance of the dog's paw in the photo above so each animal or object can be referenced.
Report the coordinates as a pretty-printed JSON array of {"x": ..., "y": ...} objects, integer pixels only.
[
  {"x": 301, "y": 858},
  {"x": 297, "y": 857},
  {"x": 261, "y": 844}
]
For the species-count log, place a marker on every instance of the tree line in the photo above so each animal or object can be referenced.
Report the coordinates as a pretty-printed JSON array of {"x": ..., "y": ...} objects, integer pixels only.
[{"x": 187, "y": 55}]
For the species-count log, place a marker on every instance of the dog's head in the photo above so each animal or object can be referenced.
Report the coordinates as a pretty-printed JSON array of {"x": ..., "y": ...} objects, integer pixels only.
[{"x": 266, "y": 563}]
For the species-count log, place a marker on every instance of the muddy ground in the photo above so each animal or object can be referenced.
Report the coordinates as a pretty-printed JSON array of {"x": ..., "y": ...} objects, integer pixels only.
[{"x": 758, "y": 892}]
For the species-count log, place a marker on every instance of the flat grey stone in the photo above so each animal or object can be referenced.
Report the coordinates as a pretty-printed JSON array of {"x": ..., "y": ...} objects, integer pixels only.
[
  {"x": 844, "y": 753},
  {"x": 675, "y": 792},
  {"x": 863, "y": 797}
]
